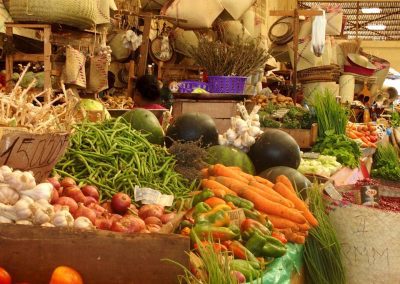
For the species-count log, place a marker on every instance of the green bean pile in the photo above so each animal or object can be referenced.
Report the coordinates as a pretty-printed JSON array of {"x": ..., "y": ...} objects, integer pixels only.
[{"x": 115, "y": 158}]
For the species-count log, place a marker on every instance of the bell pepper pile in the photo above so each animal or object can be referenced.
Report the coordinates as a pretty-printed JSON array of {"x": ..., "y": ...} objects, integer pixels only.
[
  {"x": 364, "y": 134},
  {"x": 253, "y": 244}
]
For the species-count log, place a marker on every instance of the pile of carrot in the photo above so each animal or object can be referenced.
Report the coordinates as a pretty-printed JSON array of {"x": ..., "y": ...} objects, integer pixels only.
[
  {"x": 367, "y": 133},
  {"x": 279, "y": 202}
]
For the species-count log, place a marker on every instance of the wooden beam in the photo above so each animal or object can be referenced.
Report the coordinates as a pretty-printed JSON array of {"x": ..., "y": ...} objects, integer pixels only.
[
  {"x": 20, "y": 56},
  {"x": 144, "y": 48},
  {"x": 307, "y": 13},
  {"x": 27, "y": 26}
]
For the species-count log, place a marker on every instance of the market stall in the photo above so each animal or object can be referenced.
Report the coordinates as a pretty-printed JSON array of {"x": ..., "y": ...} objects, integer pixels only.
[{"x": 143, "y": 142}]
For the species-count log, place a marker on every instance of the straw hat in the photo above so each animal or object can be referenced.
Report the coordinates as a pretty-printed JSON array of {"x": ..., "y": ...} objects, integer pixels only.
[
  {"x": 360, "y": 61},
  {"x": 281, "y": 32}
]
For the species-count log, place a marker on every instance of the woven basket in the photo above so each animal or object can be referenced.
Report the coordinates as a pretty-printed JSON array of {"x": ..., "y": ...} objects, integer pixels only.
[
  {"x": 74, "y": 13},
  {"x": 226, "y": 84},
  {"x": 329, "y": 73}
]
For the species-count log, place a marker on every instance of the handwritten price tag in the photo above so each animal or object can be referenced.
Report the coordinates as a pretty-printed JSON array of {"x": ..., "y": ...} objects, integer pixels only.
[{"x": 38, "y": 153}]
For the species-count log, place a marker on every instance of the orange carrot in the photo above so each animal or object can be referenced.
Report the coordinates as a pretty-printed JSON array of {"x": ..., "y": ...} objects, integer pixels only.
[
  {"x": 298, "y": 203},
  {"x": 235, "y": 185},
  {"x": 204, "y": 173},
  {"x": 304, "y": 227},
  {"x": 235, "y": 169},
  {"x": 286, "y": 181},
  {"x": 219, "y": 189},
  {"x": 214, "y": 201},
  {"x": 270, "y": 196},
  {"x": 221, "y": 170},
  {"x": 264, "y": 205},
  {"x": 270, "y": 191},
  {"x": 263, "y": 181},
  {"x": 281, "y": 223},
  {"x": 296, "y": 238}
]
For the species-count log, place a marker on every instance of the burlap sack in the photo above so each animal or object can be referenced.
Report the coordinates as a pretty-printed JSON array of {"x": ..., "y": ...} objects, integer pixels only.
[
  {"x": 74, "y": 69},
  {"x": 97, "y": 73},
  {"x": 370, "y": 242},
  {"x": 184, "y": 40},
  {"x": 119, "y": 51},
  {"x": 232, "y": 30},
  {"x": 198, "y": 14},
  {"x": 237, "y": 8}
]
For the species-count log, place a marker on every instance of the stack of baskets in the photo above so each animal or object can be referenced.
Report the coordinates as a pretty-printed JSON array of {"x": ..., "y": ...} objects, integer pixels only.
[{"x": 328, "y": 73}]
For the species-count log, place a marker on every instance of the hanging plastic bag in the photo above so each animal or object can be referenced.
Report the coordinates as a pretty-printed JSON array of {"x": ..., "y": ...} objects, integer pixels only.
[{"x": 318, "y": 34}]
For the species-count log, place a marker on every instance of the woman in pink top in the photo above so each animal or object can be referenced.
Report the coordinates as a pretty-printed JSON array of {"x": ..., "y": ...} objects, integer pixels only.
[{"x": 147, "y": 93}]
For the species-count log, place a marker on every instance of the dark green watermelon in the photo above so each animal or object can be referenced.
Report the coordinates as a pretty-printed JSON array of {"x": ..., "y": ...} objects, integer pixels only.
[
  {"x": 275, "y": 148},
  {"x": 192, "y": 127},
  {"x": 231, "y": 157},
  {"x": 145, "y": 121}
]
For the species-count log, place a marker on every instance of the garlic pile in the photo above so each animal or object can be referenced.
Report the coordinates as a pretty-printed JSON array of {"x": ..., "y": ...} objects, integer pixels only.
[
  {"x": 24, "y": 202},
  {"x": 244, "y": 129},
  {"x": 106, "y": 51}
]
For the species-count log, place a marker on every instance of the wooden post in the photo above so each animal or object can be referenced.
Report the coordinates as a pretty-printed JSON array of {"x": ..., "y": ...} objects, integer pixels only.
[
  {"x": 144, "y": 48},
  {"x": 131, "y": 77},
  {"x": 47, "y": 57},
  {"x": 9, "y": 57}
]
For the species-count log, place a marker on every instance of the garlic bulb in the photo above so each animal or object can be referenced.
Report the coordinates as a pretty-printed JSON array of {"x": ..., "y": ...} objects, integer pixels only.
[
  {"x": 8, "y": 212},
  {"x": 24, "y": 222},
  {"x": 62, "y": 219},
  {"x": 50, "y": 225},
  {"x": 238, "y": 142},
  {"x": 4, "y": 170},
  {"x": 40, "y": 217},
  {"x": 230, "y": 135},
  {"x": 44, "y": 205},
  {"x": 23, "y": 208},
  {"x": 8, "y": 195},
  {"x": 41, "y": 191},
  {"x": 83, "y": 223},
  {"x": 20, "y": 181},
  {"x": 4, "y": 220}
]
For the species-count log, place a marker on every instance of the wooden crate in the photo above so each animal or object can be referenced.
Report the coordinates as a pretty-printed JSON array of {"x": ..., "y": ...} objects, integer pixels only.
[
  {"x": 221, "y": 110},
  {"x": 306, "y": 138},
  {"x": 30, "y": 253}
]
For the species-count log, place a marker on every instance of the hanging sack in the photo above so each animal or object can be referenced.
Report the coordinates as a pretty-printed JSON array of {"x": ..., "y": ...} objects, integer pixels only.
[
  {"x": 98, "y": 73},
  {"x": 237, "y": 8},
  {"x": 74, "y": 69},
  {"x": 318, "y": 34},
  {"x": 119, "y": 51},
  {"x": 206, "y": 12}
]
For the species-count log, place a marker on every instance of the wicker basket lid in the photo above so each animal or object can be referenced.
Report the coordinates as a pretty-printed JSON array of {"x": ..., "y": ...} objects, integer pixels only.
[
  {"x": 281, "y": 32},
  {"x": 360, "y": 61}
]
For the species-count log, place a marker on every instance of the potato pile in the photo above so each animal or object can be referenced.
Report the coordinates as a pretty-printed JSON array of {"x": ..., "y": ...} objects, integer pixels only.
[{"x": 275, "y": 99}]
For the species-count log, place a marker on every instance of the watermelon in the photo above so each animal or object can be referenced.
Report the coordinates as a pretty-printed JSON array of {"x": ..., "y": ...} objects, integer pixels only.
[
  {"x": 275, "y": 148},
  {"x": 231, "y": 157},
  {"x": 192, "y": 127},
  {"x": 145, "y": 121},
  {"x": 93, "y": 105}
]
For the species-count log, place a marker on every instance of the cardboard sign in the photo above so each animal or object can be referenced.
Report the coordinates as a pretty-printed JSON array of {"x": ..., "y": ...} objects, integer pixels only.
[
  {"x": 237, "y": 216},
  {"x": 26, "y": 151}
]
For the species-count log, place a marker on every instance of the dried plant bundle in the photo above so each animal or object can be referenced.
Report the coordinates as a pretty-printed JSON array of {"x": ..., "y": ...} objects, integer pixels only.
[
  {"x": 20, "y": 108},
  {"x": 243, "y": 57}
]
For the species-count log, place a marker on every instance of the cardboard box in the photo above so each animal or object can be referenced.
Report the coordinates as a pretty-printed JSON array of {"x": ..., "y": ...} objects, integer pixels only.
[
  {"x": 26, "y": 151},
  {"x": 30, "y": 253}
]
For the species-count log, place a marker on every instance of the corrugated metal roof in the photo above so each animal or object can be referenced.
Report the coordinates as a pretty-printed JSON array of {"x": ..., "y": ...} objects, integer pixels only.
[{"x": 388, "y": 16}]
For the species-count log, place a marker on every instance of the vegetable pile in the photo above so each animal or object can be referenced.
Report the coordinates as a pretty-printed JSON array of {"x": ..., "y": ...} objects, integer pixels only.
[
  {"x": 323, "y": 166},
  {"x": 332, "y": 122},
  {"x": 295, "y": 118},
  {"x": 272, "y": 215},
  {"x": 365, "y": 135},
  {"x": 346, "y": 151},
  {"x": 115, "y": 158},
  {"x": 322, "y": 253},
  {"x": 386, "y": 163}
]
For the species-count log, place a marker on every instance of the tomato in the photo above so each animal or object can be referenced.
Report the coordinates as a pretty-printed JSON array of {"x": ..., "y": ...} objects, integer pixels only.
[
  {"x": 5, "y": 278},
  {"x": 65, "y": 275}
]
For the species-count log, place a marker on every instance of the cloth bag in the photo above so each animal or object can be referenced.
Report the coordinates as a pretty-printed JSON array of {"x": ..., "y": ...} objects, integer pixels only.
[{"x": 74, "y": 69}]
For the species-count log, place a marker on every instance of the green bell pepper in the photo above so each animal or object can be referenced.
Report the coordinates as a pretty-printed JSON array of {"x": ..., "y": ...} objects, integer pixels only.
[
  {"x": 202, "y": 196},
  {"x": 217, "y": 218},
  {"x": 241, "y": 252},
  {"x": 265, "y": 246},
  {"x": 250, "y": 226},
  {"x": 207, "y": 231},
  {"x": 247, "y": 268},
  {"x": 255, "y": 215},
  {"x": 239, "y": 202},
  {"x": 201, "y": 208}
]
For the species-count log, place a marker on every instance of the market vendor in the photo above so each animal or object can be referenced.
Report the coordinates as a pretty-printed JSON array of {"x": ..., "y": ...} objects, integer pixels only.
[{"x": 147, "y": 93}]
